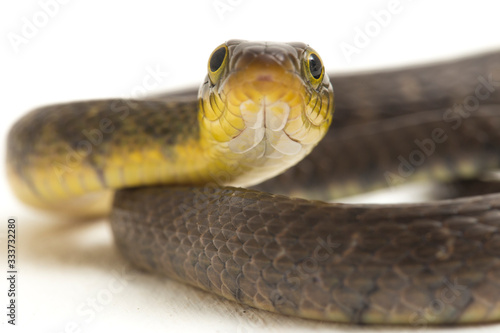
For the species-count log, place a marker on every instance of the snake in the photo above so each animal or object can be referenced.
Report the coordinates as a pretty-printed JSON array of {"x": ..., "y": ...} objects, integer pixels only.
[{"x": 229, "y": 188}]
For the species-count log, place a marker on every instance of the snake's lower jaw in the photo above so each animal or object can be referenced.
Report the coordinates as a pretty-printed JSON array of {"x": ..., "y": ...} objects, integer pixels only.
[
  {"x": 264, "y": 129},
  {"x": 276, "y": 131},
  {"x": 264, "y": 147}
]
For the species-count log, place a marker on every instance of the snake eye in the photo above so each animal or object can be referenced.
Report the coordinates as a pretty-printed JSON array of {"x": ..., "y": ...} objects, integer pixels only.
[
  {"x": 217, "y": 62},
  {"x": 314, "y": 68}
]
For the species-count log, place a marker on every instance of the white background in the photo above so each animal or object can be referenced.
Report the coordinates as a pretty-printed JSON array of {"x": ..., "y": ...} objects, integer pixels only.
[{"x": 69, "y": 271}]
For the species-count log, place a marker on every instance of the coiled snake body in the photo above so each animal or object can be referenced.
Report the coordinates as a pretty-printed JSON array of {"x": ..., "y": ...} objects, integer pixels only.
[{"x": 261, "y": 109}]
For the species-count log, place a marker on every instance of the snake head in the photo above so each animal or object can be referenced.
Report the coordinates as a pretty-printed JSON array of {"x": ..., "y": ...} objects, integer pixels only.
[{"x": 264, "y": 105}]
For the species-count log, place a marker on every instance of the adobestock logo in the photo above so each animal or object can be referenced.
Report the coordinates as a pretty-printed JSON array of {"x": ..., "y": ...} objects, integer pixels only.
[
  {"x": 452, "y": 120},
  {"x": 363, "y": 36},
  {"x": 32, "y": 24},
  {"x": 222, "y": 7}
]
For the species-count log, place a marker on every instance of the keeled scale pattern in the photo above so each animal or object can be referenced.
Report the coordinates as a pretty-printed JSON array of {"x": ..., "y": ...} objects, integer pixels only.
[{"x": 411, "y": 264}]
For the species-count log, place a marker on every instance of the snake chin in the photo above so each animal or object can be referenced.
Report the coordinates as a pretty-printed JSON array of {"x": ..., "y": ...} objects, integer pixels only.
[{"x": 265, "y": 130}]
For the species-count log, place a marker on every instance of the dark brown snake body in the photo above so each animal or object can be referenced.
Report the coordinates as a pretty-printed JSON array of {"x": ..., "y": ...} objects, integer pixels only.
[{"x": 414, "y": 264}]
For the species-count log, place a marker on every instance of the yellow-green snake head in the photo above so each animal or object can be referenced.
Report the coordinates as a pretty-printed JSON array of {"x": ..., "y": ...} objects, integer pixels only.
[{"x": 264, "y": 106}]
